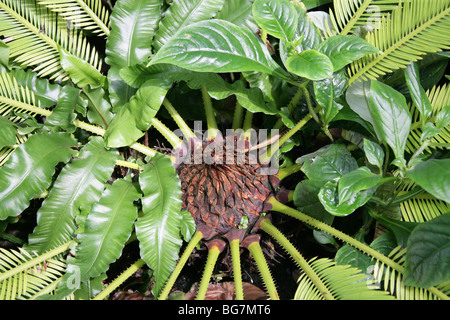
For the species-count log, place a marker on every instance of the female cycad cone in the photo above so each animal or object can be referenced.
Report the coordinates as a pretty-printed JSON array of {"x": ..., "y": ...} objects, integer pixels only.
[{"x": 230, "y": 191}]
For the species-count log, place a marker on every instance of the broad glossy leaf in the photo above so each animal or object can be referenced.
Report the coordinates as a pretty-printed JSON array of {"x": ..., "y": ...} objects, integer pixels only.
[
  {"x": 328, "y": 163},
  {"x": 354, "y": 182},
  {"x": 183, "y": 13},
  {"x": 107, "y": 228},
  {"x": 434, "y": 177},
  {"x": 29, "y": 170},
  {"x": 217, "y": 46},
  {"x": 428, "y": 254},
  {"x": 7, "y": 132},
  {"x": 238, "y": 12},
  {"x": 307, "y": 30},
  {"x": 310, "y": 64},
  {"x": 187, "y": 225},
  {"x": 327, "y": 92},
  {"x": 391, "y": 116},
  {"x": 4, "y": 54},
  {"x": 129, "y": 42},
  {"x": 343, "y": 49},
  {"x": 357, "y": 97},
  {"x": 443, "y": 118},
  {"x": 374, "y": 153},
  {"x": 98, "y": 106},
  {"x": 81, "y": 72},
  {"x": 122, "y": 131},
  {"x": 64, "y": 113},
  {"x": 79, "y": 184},
  {"x": 418, "y": 94},
  {"x": 277, "y": 17},
  {"x": 158, "y": 226},
  {"x": 329, "y": 197}
]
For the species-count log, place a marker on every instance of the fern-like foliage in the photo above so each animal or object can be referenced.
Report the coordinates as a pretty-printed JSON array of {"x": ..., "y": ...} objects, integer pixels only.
[
  {"x": 25, "y": 275},
  {"x": 343, "y": 282},
  {"x": 35, "y": 34},
  {"x": 89, "y": 15},
  {"x": 391, "y": 280},
  {"x": 410, "y": 31}
]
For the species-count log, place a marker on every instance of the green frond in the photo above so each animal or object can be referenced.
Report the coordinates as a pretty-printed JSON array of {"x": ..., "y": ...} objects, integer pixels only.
[
  {"x": 25, "y": 275},
  {"x": 421, "y": 208},
  {"x": 90, "y": 15},
  {"x": 34, "y": 35},
  {"x": 412, "y": 30},
  {"x": 344, "y": 282},
  {"x": 347, "y": 15},
  {"x": 392, "y": 281},
  {"x": 439, "y": 97}
]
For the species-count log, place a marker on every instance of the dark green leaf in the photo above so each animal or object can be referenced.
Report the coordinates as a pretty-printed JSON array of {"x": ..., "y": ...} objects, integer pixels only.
[
  {"x": 391, "y": 116},
  {"x": 428, "y": 254},
  {"x": 29, "y": 170},
  {"x": 418, "y": 94},
  {"x": 129, "y": 42},
  {"x": 4, "y": 54},
  {"x": 7, "y": 133},
  {"x": 277, "y": 17},
  {"x": 79, "y": 185},
  {"x": 434, "y": 177},
  {"x": 158, "y": 227},
  {"x": 329, "y": 197},
  {"x": 354, "y": 182},
  {"x": 328, "y": 163},
  {"x": 217, "y": 46},
  {"x": 122, "y": 130},
  {"x": 98, "y": 107},
  {"x": 310, "y": 64},
  {"x": 374, "y": 153},
  {"x": 183, "y": 13},
  {"x": 327, "y": 92},
  {"x": 64, "y": 113},
  {"x": 344, "y": 49}
]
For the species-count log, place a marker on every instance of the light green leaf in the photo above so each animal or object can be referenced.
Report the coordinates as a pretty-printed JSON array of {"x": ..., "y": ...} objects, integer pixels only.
[
  {"x": 187, "y": 225},
  {"x": 391, "y": 116},
  {"x": 158, "y": 227},
  {"x": 277, "y": 17},
  {"x": 434, "y": 177},
  {"x": 81, "y": 72},
  {"x": 327, "y": 91},
  {"x": 310, "y": 64},
  {"x": 443, "y": 118},
  {"x": 238, "y": 12},
  {"x": 122, "y": 131},
  {"x": 428, "y": 254},
  {"x": 344, "y": 49},
  {"x": 79, "y": 184},
  {"x": 29, "y": 170},
  {"x": 217, "y": 46}
]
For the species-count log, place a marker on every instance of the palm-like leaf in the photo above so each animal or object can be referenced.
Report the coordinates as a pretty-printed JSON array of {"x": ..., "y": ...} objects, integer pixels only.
[
  {"x": 347, "y": 15},
  {"x": 35, "y": 34},
  {"x": 89, "y": 15},
  {"x": 344, "y": 283},
  {"x": 392, "y": 281},
  {"x": 412, "y": 30},
  {"x": 25, "y": 275}
]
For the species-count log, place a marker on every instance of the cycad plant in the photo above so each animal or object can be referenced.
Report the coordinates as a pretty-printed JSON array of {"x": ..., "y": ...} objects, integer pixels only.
[{"x": 354, "y": 104}]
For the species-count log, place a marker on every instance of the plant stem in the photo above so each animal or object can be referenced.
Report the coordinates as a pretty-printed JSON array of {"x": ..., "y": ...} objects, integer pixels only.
[
  {"x": 213, "y": 254},
  {"x": 167, "y": 133},
  {"x": 210, "y": 114},
  {"x": 236, "y": 259},
  {"x": 176, "y": 272},
  {"x": 187, "y": 132},
  {"x": 277, "y": 206},
  {"x": 237, "y": 117},
  {"x": 26, "y": 265},
  {"x": 285, "y": 172},
  {"x": 267, "y": 226},
  {"x": 258, "y": 255},
  {"x": 120, "y": 279},
  {"x": 247, "y": 124},
  {"x": 127, "y": 164}
]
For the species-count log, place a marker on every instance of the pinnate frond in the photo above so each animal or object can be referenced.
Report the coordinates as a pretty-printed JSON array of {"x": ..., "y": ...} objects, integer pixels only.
[
  {"x": 412, "y": 30},
  {"x": 89, "y": 15}
]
